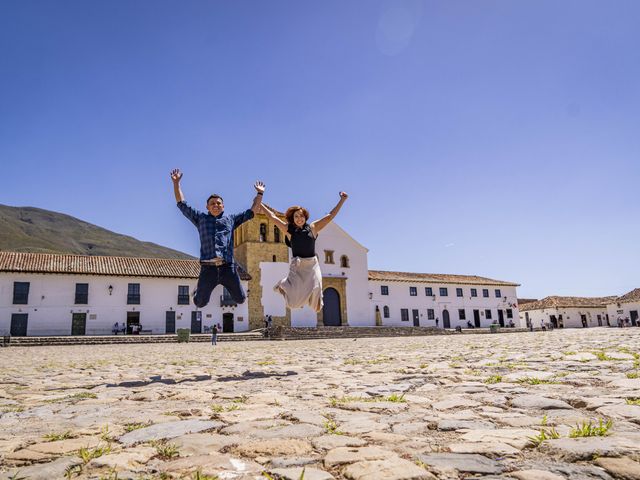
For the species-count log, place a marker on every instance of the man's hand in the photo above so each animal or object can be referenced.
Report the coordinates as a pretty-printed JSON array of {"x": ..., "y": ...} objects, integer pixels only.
[
  {"x": 176, "y": 175},
  {"x": 344, "y": 195},
  {"x": 259, "y": 186}
]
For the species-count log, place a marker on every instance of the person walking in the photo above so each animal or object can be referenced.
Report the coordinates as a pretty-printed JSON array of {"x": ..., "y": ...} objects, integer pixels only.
[{"x": 214, "y": 335}]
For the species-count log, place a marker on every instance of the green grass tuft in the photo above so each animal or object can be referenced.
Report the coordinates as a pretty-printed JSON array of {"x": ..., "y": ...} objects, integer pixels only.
[{"x": 588, "y": 429}]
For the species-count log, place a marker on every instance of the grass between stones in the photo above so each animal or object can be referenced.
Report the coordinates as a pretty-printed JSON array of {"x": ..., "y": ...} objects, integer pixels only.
[
  {"x": 545, "y": 434},
  {"x": 537, "y": 381},
  {"x": 633, "y": 401},
  {"x": 588, "y": 429},
  {"x": 164, "y": 450},
  {"x": 335, "y": 401},
  {"x": 76, "y": 397},
  {"x": 330, "y": 426},
  {"x": 493, "y": 379},
  {"x": 88, "y": 454},
  {"x": 11, "y": 409},
  {"x": 130, "y": 427},
  {"x": 217, "y": 408},
  {"x": 54, "y": 437}
]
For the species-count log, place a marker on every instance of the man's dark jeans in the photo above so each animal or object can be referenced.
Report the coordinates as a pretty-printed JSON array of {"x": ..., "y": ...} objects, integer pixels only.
[{"x": 211, "y": 277}]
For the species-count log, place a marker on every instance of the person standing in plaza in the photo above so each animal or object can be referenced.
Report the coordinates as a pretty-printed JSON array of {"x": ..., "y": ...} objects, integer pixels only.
[
  {"x": 214, "y": 335},
  {"x": 217, "y": 265},
  {"x": 303, "y": 284}
]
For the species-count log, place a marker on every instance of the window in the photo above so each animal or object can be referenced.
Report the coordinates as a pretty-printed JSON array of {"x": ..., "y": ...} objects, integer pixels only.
[
  {"x": 276, "y": 234},
  {"x": 443, "y": 292},
  {"x": 384, "y": 290},
  {"x": 498, "y": 294},
  {"x": 487, "y": 313},
  {"x": 462, "y": 314},
  {"x": 82, "y": 293},
  {"x": 458, "y": 292},
  {"x": 20, "y": 293},
  {"x": 485, "y": 292},
  {"x": 263, "y": 232},
  {"x": 428, "y": 291},
  {"x": 431, "y": 314},
  {"x": 133, "y": 294},
  {"x": 404, "y": 314},
  {"x": 328, "y": 256},
  {"x": 183, "y": 294},
  {"x": 385, "y": 311},
  {"x": 344, "y": 261},
  {"x": 509, "y": 313},
  {"x": 474, "y": 292},
  {"x": 413, "y": 291}
]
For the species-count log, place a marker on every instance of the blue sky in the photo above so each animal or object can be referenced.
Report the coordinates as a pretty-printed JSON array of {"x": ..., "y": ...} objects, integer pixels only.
[{"x": 493, "y": 138}]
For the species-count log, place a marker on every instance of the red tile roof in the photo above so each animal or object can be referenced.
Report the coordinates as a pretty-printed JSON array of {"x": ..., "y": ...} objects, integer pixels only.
[
  {"x": 97, "y": 265},
  {"x": 568, "y": 302},
  {"x": 436, "y": 278}
]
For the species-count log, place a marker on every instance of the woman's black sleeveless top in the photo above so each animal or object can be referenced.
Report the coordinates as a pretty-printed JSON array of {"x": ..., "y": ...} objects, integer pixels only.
[{"x": 302, "y": 242}]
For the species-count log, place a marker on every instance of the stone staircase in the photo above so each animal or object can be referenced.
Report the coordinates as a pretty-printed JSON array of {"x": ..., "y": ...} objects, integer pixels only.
[
  {"x": 311, "y": 333},
  {"x": 125, "y": 339},
  {"x": 277, "y": 333}
]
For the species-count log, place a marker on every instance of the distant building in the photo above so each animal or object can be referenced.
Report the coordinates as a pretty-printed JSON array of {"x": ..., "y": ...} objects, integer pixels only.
[
  {"x": 626, "y": 306},
  {"x": 52, "y": 294},
  {"x": 566, "y": 312}
]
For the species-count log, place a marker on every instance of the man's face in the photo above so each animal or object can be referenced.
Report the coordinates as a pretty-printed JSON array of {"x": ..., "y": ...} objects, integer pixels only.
[{"x": 215, "y": 206}]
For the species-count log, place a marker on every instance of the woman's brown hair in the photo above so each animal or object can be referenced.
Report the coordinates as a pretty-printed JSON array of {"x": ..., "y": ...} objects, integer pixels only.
[{"x": 291, "y": 210}]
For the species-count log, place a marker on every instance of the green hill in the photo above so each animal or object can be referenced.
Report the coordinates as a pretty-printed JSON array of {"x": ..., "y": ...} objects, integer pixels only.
[{"x": 27, "y": 229}]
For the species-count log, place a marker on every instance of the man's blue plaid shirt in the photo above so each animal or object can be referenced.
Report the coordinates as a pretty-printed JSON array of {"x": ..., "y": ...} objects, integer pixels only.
[{"x": 216, "y": 233}]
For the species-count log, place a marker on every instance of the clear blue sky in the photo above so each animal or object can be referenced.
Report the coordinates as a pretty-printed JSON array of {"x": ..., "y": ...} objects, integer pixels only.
[{"x": 495, "y": 138}]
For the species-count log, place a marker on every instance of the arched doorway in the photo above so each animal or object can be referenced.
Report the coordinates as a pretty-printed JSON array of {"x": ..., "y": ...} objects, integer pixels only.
[
  {"x": 331, "y": 310},
  {"x": 446, "y": 323}
]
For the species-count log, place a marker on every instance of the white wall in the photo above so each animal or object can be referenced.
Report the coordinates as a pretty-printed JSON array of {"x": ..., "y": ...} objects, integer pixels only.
[
  {"x": 359, "y": 310},
  {"x": 571, "y": 317},
  {"x": 399, "y": 297},
  {"x": 52, "y": 297}
]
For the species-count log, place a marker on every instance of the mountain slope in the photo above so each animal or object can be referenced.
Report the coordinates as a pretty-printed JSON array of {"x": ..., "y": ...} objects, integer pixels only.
[{"x": 28, "y": 229}]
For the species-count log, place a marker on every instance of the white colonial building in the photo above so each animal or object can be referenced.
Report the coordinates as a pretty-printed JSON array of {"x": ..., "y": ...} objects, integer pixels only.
[
  {"x": 48, "y": 294},
  {"x": 566, "y": 312},
  {"x": 625, "y": 307},
  {"x": 445, "y": 301}
]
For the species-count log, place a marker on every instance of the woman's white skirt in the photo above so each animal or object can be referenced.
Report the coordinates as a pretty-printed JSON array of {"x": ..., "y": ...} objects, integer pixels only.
[{"x": 303, "y": 285}]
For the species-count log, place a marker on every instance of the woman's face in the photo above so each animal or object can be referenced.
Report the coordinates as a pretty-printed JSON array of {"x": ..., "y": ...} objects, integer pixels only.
[{"x": 298, "y": 218}]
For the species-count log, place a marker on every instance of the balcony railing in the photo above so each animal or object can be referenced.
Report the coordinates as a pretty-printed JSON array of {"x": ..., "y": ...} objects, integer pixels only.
[{"x": 183, "y": 299}]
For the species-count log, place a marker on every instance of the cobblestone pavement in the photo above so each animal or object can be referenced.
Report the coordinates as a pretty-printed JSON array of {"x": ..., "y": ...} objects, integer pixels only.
[{"x": 542, "y": 405}]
